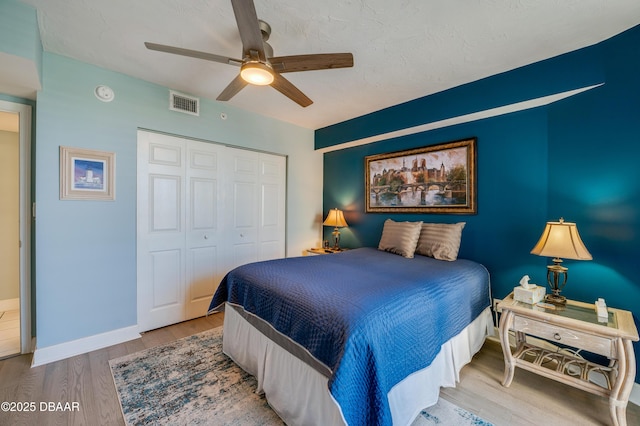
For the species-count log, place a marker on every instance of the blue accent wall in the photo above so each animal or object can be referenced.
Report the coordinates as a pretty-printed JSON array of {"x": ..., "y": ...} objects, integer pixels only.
[{"x": 576, "y": 158}]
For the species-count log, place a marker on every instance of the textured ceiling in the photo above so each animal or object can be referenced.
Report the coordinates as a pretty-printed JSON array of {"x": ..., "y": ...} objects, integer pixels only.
[{"x": 402, "y": 49}]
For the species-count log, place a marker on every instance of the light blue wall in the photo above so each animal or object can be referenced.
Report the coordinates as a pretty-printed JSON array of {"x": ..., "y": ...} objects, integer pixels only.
[
  {"x": 576, "y": 158},
  {"x": 19, "y": 33},
  {"x": 86, "y": 250}
]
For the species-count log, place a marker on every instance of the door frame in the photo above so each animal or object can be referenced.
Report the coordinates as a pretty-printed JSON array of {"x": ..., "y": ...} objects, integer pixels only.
[{"x": 26, "y": 215}]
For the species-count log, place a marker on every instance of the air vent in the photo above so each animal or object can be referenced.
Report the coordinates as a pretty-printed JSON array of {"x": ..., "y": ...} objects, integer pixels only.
[{"x": 184, "y": 103}]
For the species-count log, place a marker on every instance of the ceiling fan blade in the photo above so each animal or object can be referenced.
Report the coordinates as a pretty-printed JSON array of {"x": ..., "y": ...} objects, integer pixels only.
[
  {"x": 232, "y": 89},
  {"x": 287, "y": 88},
  {"x": 192, "y": 53},
  {"x": 249, "y": 28},
  {"x": 322, "y": 61}
]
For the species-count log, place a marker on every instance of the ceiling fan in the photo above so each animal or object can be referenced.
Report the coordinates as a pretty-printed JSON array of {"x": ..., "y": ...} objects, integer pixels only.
[{"x": 258, "y": 66}]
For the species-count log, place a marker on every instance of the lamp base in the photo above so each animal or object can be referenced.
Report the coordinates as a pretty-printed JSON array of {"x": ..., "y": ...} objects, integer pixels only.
[
  {"x": 555, "y": 299},
  {"x": 336, "y": 239},
  {"x": 557, "y": 278}
]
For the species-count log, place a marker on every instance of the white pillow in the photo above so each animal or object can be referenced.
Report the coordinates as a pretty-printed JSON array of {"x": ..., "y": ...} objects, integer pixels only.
[
  {"x": 400, "y": 237},
  {"x": 440, "y": 240}
]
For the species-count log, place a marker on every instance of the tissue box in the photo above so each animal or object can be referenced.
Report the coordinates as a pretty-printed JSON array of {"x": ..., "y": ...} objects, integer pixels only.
[{"x": 531, "y": 296}]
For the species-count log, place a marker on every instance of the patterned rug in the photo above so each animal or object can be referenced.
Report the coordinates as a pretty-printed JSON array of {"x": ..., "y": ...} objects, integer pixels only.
[
  {"x": 445, "y": 413},
  {"x": 190, "y": 381}
]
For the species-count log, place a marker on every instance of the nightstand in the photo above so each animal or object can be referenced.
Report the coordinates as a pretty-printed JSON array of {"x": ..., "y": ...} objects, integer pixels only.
[
  {"x": 319, "y": 250},
  {"x": 574, "y": 326}
]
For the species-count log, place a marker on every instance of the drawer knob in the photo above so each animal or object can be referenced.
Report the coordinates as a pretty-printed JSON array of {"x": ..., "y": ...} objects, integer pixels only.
[{"x": 557, "y": 336}]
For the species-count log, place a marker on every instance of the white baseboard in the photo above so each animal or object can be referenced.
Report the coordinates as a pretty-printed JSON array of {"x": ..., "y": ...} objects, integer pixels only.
[
  {"x": 87, "y": 344},
  {"x": 9, "y": 304}
]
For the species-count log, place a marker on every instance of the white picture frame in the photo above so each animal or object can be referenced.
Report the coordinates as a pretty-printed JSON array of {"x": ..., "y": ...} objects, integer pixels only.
[{"x": 87, "y": 174}]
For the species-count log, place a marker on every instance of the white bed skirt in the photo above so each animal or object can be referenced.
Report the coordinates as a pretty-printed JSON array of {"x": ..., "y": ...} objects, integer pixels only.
[{"x": 300, "y": 395}]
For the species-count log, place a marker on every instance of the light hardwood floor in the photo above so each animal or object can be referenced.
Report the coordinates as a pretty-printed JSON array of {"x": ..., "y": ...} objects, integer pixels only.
[
  {"x": 86, "y": 379},
  {"x": 9, "y": 333}
]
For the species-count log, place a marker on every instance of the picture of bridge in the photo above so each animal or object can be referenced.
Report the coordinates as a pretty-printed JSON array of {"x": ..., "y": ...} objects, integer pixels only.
[{"x": 423, "y": 178}]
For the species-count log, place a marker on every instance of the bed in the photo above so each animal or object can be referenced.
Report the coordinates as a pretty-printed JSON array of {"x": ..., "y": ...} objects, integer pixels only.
[{"x": 363, "y": 337}]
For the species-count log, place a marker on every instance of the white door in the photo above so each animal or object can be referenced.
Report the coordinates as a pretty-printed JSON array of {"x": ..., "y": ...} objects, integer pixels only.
[
  {"x": 206, "y": 257},
  {"x": 271, "y": 225},
  {"x": 180, "y": 261},
  {"x": 161, "y": 230},
  {"x": 244, "y": 203},
  {"x": 256, "y": 190},
  {"x": 203, "y": 209}
]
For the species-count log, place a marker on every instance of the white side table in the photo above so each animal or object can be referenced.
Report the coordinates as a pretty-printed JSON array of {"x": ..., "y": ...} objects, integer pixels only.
[{"x": 574, "y": 325}]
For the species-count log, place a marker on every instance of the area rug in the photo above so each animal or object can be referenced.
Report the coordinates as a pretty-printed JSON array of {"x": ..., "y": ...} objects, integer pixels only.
[
  {"x": 191, "y": 382},
  {"x": 444, "y": 413}
]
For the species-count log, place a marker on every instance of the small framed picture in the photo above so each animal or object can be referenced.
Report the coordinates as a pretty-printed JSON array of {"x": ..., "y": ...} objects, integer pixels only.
[{"x": 87, "y": 174}]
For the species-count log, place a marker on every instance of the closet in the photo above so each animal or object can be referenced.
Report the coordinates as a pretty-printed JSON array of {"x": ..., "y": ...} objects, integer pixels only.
[{"x": 202, "y": 209}]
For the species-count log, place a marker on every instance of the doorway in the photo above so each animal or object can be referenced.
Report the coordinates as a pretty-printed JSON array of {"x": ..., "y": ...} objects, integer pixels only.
[{"x": 15, "y": 227}]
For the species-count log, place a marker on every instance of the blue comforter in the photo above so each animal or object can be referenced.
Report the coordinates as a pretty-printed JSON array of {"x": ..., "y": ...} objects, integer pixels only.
[{"x": 371, "y": 317}]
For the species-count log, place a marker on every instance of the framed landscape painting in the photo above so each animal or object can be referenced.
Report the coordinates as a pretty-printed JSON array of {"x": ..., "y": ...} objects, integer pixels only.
[
  {"x": 86, "y": 174},
  {"x": 434, "y": 179}
]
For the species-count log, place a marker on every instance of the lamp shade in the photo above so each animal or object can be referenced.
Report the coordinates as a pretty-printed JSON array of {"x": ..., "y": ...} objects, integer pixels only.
[
  {"x": 561, "y": 240},
  {"x": 335, "y": 218}
]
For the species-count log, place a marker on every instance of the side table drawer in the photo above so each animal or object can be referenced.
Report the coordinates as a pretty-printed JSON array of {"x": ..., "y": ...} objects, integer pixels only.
[{"x": 558, "y": 334}]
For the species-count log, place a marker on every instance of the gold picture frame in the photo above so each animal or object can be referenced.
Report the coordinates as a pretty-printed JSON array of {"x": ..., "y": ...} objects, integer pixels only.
[
  {"x": 87, "y": 174},
  {"x": 438, "y": 179}
]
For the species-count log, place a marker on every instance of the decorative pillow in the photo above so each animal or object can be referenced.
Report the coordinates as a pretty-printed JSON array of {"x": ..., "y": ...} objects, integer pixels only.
[
  {"x": 400, "y": 237},
  {"x": 440, "y": 240}
]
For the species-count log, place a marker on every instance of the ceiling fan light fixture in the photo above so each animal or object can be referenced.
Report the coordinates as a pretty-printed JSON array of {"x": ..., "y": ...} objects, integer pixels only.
[
  {"x": 258, "y": 65},
  {"x": 257, "y": 73}
]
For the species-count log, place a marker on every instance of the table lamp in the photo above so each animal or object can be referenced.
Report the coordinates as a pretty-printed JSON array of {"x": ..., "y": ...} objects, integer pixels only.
[
  {"x": 335, "y": 218},
  {"x": 560, "y": 240}
]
